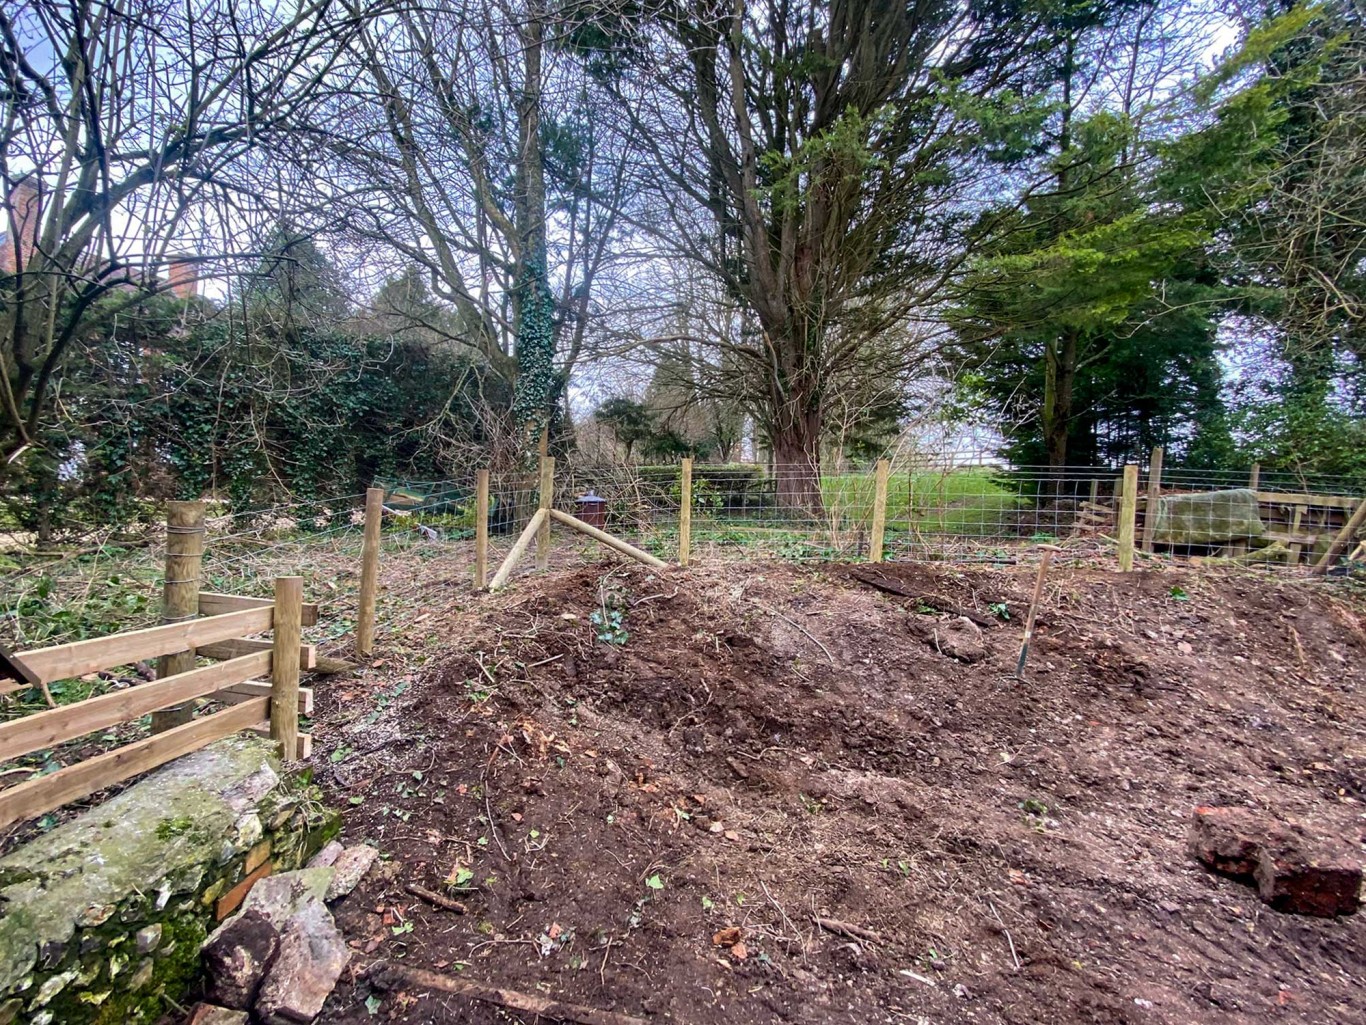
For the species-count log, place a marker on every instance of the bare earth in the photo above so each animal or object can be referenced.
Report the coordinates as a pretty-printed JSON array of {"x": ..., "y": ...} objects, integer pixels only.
[{"x": 772, "y": 745}]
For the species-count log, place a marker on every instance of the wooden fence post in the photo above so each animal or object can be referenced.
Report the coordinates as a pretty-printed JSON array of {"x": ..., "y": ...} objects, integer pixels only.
[
  {"x": 547, "y": 501},
  {"x": 481, "y": 530},
  {"x": 1154, "y": 493},
  {"x": 1255, "y": 477},
  {"x": 685, "y": 512},
  {"x": 1344, "y": 536},
  {"x": 369, "y": 571},
  {"x": 284, "y": 665},
  {"x": 879, "y": 511},
  {"x": 1127, "y": 513},
  {"x": 180, "y": 596}
]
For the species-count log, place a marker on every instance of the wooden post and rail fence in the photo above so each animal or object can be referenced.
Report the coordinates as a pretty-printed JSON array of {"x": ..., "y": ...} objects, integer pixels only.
[
  {"x": 256, "y": 678},
  {"x": 220, "y": 631}
]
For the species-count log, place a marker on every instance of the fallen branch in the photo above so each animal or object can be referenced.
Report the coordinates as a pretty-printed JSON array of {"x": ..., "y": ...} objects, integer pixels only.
[
  {"x": 856, "y": 932},
  {"x": 890, "y": 585},
  {"x": 391, "y": 976},
  {"x": 432, "y": 897}
]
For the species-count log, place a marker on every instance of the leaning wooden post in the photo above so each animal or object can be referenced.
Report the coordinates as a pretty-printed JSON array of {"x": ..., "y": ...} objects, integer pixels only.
[
  {"x": 1154, "y": 494},
  {"x": 180, "y": 596},
  {"x": 1127, "y": 513},
  {"x": 685, "y": 512},
  {"x": 481, "y": 529},
  {"x": 879, "y": 511},
  {"x": 547, "y": 501},
  {"x": 284, "y": 665},
  {"x": 369, "y": 571},
  {"x": 1344, "y": 536}
]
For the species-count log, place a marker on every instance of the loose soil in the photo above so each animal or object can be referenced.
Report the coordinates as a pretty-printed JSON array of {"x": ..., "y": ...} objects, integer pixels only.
[{"x": 770, "y": 744}]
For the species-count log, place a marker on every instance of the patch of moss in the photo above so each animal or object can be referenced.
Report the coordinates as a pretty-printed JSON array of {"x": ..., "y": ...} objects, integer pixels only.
[{"x": 102, "y": 1000}]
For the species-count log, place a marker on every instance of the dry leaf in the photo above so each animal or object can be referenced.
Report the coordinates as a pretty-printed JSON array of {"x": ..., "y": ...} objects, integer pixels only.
[
  {"x": 727, "y": 937},
  {"x": 739, "y": 952},
  {"x": 554, "y": 931}
]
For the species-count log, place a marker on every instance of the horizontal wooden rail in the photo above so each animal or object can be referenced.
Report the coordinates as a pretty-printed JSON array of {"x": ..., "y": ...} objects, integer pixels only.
[
  {"x": 1313, "y": 501},
  {"x": 303, "y": 747},
  {"x": 238, "y": 693},
  {"x": 212, "y": 604},
  {"x": 80, "y": 657},
  {"x": 46, "y": 729},
  {"x": 37, "y": 796},
  {"x": 238, "y": 646}
]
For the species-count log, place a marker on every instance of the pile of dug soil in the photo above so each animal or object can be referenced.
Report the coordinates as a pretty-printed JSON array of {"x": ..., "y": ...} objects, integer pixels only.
[{"x": 757, "y": 794}]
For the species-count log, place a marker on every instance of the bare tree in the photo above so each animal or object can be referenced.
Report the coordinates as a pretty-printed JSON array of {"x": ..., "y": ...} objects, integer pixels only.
[
  {"x": 472, "y": 150},
  {"x": 120, "y": 124},
  {"x": 819, "y": 160}
]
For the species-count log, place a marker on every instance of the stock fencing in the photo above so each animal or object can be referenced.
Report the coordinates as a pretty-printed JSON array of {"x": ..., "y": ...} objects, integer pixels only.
[{"x": 931, "y": 511}]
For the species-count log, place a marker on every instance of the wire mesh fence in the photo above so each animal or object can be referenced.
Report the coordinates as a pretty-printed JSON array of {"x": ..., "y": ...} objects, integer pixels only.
[{"x": 946, "y": 509}]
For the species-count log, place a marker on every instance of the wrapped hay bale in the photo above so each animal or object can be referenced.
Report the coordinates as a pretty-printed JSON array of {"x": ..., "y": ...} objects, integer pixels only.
[{"x": 1212, "y": 517}]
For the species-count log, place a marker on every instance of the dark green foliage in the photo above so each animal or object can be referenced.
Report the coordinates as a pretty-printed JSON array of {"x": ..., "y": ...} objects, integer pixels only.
[{"x": 160, "y": 411}]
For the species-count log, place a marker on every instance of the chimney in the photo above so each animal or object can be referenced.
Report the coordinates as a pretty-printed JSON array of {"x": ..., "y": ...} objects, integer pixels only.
[
  {"x": 22, "y": 217},
  {"x": 183, "y": 275}
]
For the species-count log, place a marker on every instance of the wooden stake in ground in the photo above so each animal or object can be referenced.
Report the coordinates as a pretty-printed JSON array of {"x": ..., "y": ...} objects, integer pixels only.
[
  {"x": 879, "y": 511},
  {"x": 685, "y": 512},
  {"x": 481, "y": 530},
  {"x": 1048, "y": 551},
  {"x": 180, "y": 596},
  {"x": 369, "y": 572},
  {"x": 391, "y": 976},
  {"x": 614, "y": 543},
  {"x": 284, "y": 666},
  {"x": 519, "y": 549},
  {"x": 1128, "y": 512},
  {"x": 1344, "y": 536},
  {"x": 547, "y": 501},
  {"x": 1154, "y": 495}
]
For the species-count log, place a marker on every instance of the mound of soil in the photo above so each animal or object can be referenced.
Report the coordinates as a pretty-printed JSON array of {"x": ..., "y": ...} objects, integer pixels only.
[{"x": 756, "y": 794}]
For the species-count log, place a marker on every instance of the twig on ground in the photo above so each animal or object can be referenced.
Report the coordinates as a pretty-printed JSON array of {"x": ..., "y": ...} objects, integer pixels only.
[
  {"x": 393, "y": 976},
  {"x": 1013, "y": 956},
  {"x": 856, "y": 932},
  {"x": 432, "y": 897}
]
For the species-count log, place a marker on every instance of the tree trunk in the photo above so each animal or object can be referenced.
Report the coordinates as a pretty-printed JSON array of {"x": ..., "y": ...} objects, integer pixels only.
[
  {"x": 1060, "y": 373},
  {"x": 797, "y": 460}
]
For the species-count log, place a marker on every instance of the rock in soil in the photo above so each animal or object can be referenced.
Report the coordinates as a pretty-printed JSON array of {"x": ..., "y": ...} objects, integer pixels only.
[
  {"x": 311, "y": 959},
  {"x": 236, "y": 958},
  {"x": 349, "y": 869},
  {"x": 326, "y": 857},
  {"x": 279, "y": 897},
  {"x": 1229, "y": 840},
  {"x": 1324, "y": 881},
  {"x": 1294, "y": 873},
  {"x": 211, "y": 1014}
]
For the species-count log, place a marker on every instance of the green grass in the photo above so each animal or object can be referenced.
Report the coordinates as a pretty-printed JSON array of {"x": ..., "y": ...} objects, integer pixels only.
[{"x": 969, "y": 502}]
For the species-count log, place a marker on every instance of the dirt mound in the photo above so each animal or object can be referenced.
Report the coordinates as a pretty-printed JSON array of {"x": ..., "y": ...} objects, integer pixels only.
[{"x": 771, "y": 794}]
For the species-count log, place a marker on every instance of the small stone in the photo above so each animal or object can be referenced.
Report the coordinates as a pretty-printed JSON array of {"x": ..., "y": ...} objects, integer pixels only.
[
  {"x": 209, "y": 1014},
  {"x": 149, "y": 938},
  {"x": 1324, "y": 881},
  {"x": 311, "y": 959},
  {"x": 236, "y": 958},
  {"x": 9, "y": 1011},
  {"x": 280, "y": 896},
  {"x": 248, "y": 830},
  {"x": 327, "y": 857},
  {"x": 349, "y": 869},
  {"x": 95, "y": 915},
  {"x": 50, "y": 988},
  {"x": 1229, "y": 840},
  {"x": 142, "y": 976},
  {"x": 256, "y": 857}
]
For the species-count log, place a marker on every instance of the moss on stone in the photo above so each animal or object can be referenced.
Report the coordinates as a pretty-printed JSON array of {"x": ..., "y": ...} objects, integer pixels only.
[{"x": 73, "y": 901}]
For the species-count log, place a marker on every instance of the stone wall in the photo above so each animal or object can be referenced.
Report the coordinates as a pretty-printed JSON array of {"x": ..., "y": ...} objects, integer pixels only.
[{"x": 101, "y": 919}]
